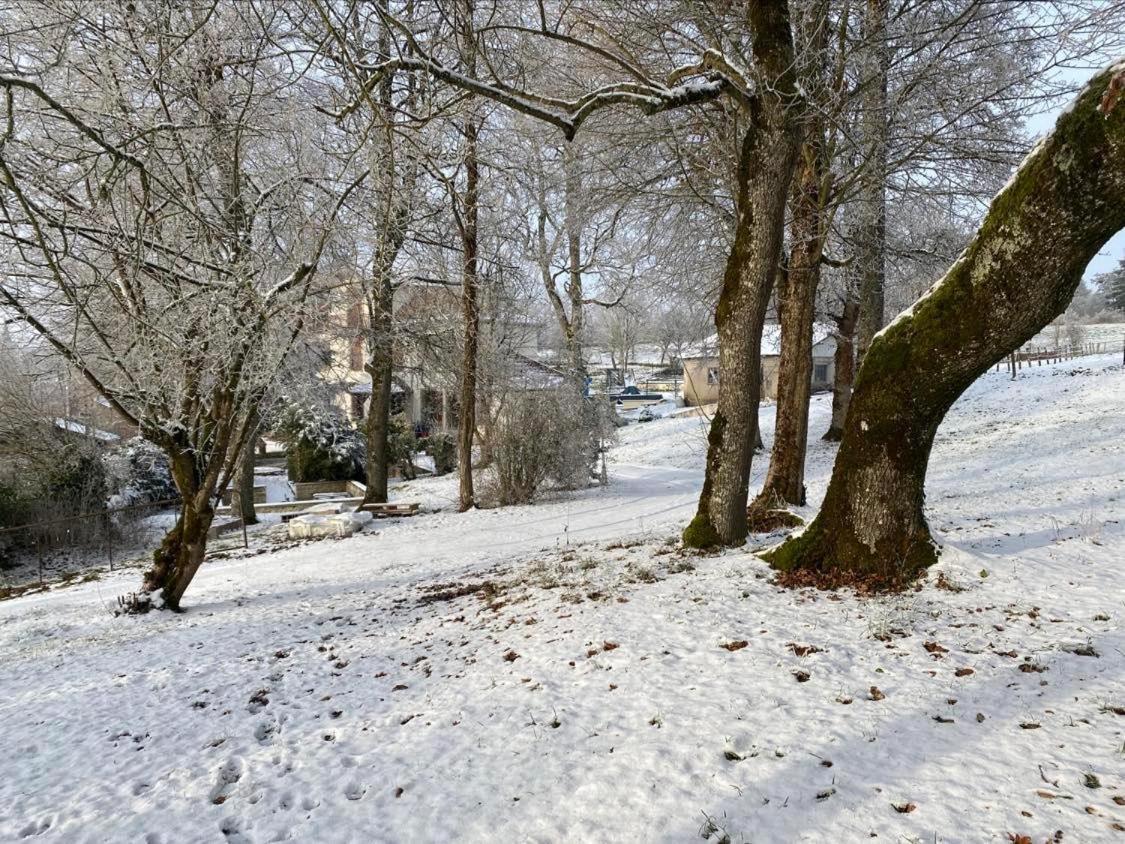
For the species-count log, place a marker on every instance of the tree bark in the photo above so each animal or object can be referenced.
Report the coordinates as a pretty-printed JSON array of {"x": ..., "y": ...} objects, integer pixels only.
[
  {"x": 470, "y": 316},
  {"x": 243, "y": 494},
  {"x": 379, "y": 365},
  {"x": 1019, "y": 272},
  {"x": 765, "y": 168},
  {"x": 796, "y": 305},
  {"x": 844, "y": 368},
  {"x": 871, "y": 252},
  {"x": 181, "y": 551},
  {"x": 393, "y": 214}
]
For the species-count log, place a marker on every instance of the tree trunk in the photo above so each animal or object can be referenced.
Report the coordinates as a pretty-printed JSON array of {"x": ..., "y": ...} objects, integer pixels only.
[
  {"x": 379, "y": 364},
  {"x": 470, "y": 315},
  {"x": 181, "y": 552},
  {"x": 844, "y": 366},
  {"x": 871, "y": 251},
  {"x": 1019, "y": 273},
  {"x": 243, "y": 495},
  {"x": 796, "y": 304},
  {"x": 765, "y": 168}
]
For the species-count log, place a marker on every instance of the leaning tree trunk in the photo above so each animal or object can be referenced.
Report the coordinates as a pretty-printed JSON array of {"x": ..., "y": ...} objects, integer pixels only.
[
  {"x": 796, "y": 304},
  {"x": 181, "y": 551},
  {"x": 844, "y": 369},
  {"x": 1020, "y": 271},
  {"x": 379, "y": 365},
  {"x": 765, "y": 168}
]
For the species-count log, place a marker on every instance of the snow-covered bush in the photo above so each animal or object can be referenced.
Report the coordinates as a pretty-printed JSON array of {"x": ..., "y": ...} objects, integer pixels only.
[
  {"x": 138, "y": 473},
  {"x": 402, "y": 445},
  {"x": 443, "y": 449},
  {"x": 321, "y": 444},
  {"x": 543, "y": 437}
]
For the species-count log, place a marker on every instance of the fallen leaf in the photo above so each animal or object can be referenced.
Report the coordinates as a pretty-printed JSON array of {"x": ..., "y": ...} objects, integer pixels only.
[
  {"x": 735, "y": 646},
  {"x": 963, "y": 672},
  {"x": 904, "y": 808},
  {"x": 876, "y": 694},
  {"x": 804, "y": 650}
]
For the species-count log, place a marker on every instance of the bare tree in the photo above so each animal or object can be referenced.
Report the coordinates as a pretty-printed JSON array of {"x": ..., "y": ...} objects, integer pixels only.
[{"x": 164, "y": 222}]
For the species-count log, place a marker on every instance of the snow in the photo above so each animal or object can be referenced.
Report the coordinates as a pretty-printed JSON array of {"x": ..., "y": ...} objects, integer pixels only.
[
  {"x": 556, "y": 672},
  {"x": 771, "y": 342},
  {"x": 85, "y": 430}
]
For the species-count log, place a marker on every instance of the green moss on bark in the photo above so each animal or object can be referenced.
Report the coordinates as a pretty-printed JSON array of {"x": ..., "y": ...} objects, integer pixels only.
[{"x": 700, "y": 533}]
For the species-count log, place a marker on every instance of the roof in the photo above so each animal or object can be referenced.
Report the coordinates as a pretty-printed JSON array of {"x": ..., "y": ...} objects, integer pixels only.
[
  {"x": 771, "y": 342},
  {"x": 85, "y": 430},
  {"x": 529, "y": 374}
]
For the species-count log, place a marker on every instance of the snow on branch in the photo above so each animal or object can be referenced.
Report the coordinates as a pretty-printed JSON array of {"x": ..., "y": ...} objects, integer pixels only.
[{"x": 567, "y": 115}]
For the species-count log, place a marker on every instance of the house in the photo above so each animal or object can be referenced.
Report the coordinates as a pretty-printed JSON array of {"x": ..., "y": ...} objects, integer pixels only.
[
  {"x": 425, "y": 385},
  {"x": 701, "y": 365}
]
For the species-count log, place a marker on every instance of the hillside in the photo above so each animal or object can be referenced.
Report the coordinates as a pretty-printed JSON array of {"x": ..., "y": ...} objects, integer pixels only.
[{"x": 564, "y": 672}]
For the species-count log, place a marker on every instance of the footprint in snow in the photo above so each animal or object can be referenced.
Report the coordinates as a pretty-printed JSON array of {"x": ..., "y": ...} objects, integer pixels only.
[
  {"x": 355, "y": 791},
  {"x": 231, "y": 827},
  {"x": 266, "y": 729},
  {"x": 229, "y": 774},
  {"x": 35, "y": 828}
]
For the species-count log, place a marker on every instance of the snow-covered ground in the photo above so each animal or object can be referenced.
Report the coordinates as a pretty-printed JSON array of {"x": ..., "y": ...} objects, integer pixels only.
[{"x": 558, "y": 672}]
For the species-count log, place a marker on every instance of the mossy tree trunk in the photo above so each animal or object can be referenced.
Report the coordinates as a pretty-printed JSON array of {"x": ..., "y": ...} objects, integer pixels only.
[
  {"x": 766, "y": 160},
  {"x": 181, "y": 551},
  {"x": 1018, "y": 273},
  {"x": 796, "y": 305},
  {"x": 843, "y": 368}
]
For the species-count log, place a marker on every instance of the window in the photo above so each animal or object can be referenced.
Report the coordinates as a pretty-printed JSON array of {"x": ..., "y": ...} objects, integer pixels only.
[
  {"x": 820, "y": 373},
  {"x": 355, "y": 316},
  {"x": 356, "y": 357},
  {"x": 712, "y": 376}
]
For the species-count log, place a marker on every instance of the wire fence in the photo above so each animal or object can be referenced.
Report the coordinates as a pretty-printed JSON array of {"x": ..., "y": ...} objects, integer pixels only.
[{"x": 116, "y": 532}]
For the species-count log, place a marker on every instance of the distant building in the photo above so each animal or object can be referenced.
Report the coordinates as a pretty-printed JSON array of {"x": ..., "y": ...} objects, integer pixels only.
[
  {"x": 701, "y": 365},
  {"x": 424, "y": 383}
]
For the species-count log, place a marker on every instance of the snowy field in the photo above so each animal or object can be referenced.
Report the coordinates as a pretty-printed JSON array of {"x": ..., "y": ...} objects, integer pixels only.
[{"x": 561, "y": 672}]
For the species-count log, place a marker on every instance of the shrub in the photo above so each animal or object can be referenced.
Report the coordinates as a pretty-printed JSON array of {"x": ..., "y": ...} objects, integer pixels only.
[
  {"x": 321, "y": 445},
  {"x": 443, "y": 449},
  {"x": 138, "y": 472},
  {"x": 402, "y": 445},
  {"x": 541, "y": 437}
]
